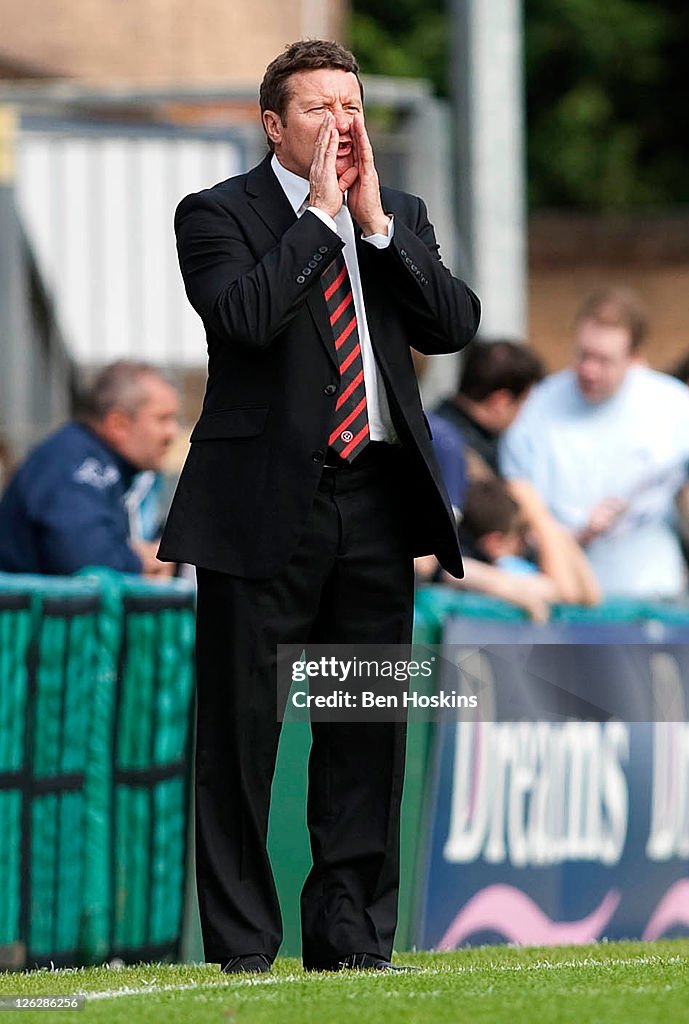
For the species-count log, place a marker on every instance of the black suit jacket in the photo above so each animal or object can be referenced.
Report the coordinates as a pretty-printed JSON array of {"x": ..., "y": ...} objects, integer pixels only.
[{"x": 252, "y": 272}]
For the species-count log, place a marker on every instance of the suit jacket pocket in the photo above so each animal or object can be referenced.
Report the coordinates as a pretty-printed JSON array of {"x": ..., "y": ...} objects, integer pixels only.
[{"x": 230, "y": 423}]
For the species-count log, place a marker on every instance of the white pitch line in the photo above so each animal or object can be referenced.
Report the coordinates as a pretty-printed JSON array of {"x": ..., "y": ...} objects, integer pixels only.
[
  {"x": 151, "y": 990},
  {"x": 541, "y": 965},
  {"x": 555, "y": 965}
]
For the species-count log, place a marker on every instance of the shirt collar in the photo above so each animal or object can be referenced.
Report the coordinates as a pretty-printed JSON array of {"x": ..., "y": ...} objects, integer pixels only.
[{"x": 295, "y": 188}]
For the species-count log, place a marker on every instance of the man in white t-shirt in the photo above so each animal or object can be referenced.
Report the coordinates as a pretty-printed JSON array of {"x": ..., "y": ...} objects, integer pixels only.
[{"x": 606, "y": 444}]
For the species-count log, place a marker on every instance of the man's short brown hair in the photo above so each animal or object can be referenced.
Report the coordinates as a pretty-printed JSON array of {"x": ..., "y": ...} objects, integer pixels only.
[
  {"x": 304, "y": 55},
  {"x": 489, "y": 508},
  {"x": 616, "y": 307},
  {"x": 500, "y": 365}
]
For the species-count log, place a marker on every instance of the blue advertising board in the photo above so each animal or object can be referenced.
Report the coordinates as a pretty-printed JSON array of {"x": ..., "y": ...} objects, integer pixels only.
[{"x": 565, "y": 831}]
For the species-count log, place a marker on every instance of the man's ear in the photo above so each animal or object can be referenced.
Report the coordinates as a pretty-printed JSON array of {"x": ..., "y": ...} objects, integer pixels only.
[
  {"x": 114, "y": 426},
  {"x": 273, "y": 126}
]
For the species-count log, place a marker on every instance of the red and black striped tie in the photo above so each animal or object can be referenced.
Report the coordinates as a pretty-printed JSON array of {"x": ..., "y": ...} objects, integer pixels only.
[{"x": 351, "y": 432}]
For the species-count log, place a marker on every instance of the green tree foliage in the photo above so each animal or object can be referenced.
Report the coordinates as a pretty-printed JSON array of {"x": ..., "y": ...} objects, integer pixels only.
[
  {"x": 408, "y": 38},
  {"x": 606, "y": 86},
  {"x": 606, "y": 81}
]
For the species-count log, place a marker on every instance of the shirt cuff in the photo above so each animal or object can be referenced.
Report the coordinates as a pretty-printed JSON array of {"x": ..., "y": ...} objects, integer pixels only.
[
  {"x": 382, "y": 241},
  {"x": 325, "y": 217}
]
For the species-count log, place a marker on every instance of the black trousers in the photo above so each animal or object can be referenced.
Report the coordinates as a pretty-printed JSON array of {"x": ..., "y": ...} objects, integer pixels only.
[{"x": 349, "y": 581}]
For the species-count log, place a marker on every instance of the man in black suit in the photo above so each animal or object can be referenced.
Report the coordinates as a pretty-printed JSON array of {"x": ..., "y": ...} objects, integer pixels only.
[{"x": 310, "y": 485}]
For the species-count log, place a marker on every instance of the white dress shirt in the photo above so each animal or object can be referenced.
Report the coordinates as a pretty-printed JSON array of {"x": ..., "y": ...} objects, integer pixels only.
[
  {"x": 633, "y": 446},
  {"x": 297, "y": 191}
]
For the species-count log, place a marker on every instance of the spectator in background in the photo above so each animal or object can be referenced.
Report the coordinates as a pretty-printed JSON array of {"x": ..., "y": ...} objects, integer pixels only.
[
  {"x": 501, "y": 523},
  {"x": 66, "y": 506},
  {"x": 564, "y": 575},
  {"x": 492, "y": 518},
  {"x": 605, "y": 444},
  {"x": 494, "y": 381},
  {"x": 452, "y": 455}
]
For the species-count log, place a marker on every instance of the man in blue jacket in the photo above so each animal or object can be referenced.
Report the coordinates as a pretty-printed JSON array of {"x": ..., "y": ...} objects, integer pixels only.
[{"x": 66, "y": 506}]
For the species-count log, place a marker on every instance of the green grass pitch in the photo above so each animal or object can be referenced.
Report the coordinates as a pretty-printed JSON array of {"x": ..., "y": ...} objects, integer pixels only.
[{"x": 610, "y": 982}]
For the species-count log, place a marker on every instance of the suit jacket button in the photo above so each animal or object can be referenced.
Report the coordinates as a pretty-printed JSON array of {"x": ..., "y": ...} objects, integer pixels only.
[
  {"x": 318, "y": 455},
  {"x": 403, "y": 252},
  {"x": 313, "y": 264},
  {"x": 330, "y": 389},
  {"x": 301, "y": 279},
  {"x": 323, "y": 248},
  {"x": 317, "y": 256},
  {"x": 306, "y": 271}
]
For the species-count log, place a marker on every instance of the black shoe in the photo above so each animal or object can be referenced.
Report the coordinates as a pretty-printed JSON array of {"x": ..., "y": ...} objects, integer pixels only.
[
  {"x": 251, "y": 963},
  {"x": 361, "y": 962}
]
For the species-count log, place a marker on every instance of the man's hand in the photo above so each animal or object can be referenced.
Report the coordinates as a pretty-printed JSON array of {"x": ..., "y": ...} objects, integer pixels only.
[
  {"x": 602, "y": 518},
  {"x": 532, "y": 593},
  {"x": 425, "y": 567},
  {"x": 326, "y": 193},
  {"x": 363, "y": 199},
  {"x": 150, "y": 566}
]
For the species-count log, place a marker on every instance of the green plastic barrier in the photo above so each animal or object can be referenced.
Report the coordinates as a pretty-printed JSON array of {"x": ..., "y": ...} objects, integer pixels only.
[
  {"x": 419, "y": 734},
  {"x": 671, "y": 614},
  {"x": 96, "y": 687},
  {"x": 427, "y": 629},
  {"x": 47, "y": 656},
  {"x": 434, "y": 604},
  {"x": 138, "y": 788},
  {"x": 612, "y": 610},
  {"x": 15, "y": 637},
  {"x": 96, "y": 690},
  {"x": 288, "y": 838}
]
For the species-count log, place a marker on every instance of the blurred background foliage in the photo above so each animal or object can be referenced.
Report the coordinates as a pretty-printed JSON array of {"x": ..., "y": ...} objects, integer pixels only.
[{"x": 606, "y": 90}]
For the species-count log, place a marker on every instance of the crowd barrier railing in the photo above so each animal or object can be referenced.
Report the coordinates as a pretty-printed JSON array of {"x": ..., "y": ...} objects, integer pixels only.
[
  {"x": 96, "y": 688},
  {"x": 96, "y": 708}
]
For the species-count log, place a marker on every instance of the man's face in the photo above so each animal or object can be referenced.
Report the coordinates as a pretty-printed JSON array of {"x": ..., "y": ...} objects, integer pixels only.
[
  {"x": 312, "y": 94},
  {"x": 144, "y": 437},
  {"x": 602, "y": 356},
  {"x": 501, "y": 409}
]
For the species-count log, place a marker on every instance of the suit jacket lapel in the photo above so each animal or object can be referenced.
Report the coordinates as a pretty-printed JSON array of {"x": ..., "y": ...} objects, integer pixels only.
[
  {"x": 268, "y": 200},
  {"x": 319, "y": 312},
  {"x": 273, "y": 207}
]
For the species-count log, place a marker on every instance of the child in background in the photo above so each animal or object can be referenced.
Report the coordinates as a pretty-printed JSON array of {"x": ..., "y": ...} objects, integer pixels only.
[
  {"x": 495, "y": 524},
  {"x": 504, "y": 520}
]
